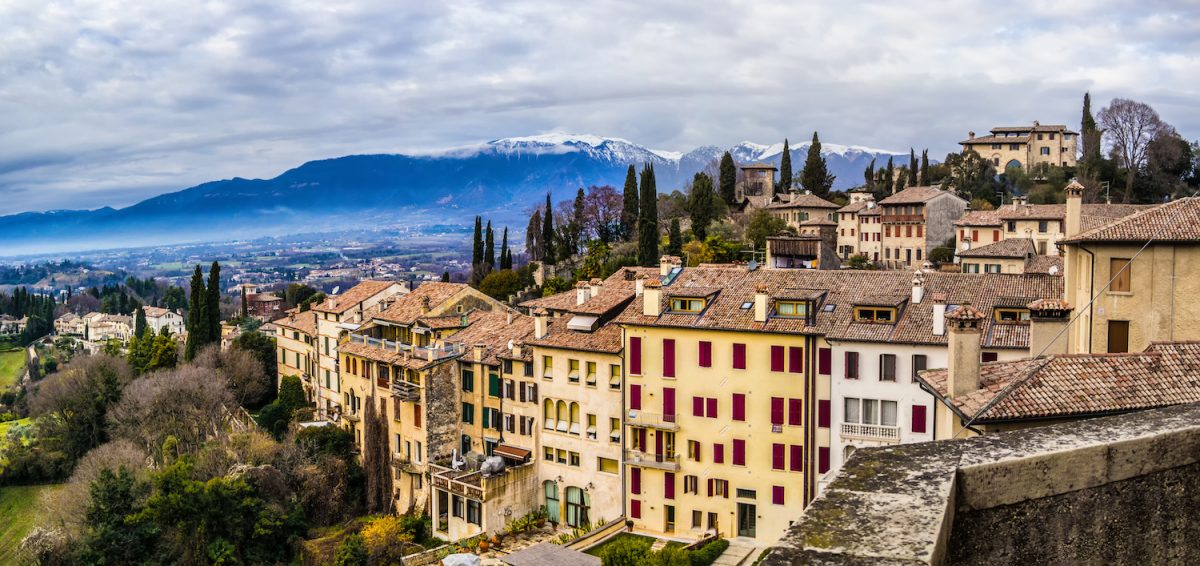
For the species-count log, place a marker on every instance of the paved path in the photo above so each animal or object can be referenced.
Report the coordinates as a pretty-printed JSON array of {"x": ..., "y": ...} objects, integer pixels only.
[{"x": 740, "y": 551}]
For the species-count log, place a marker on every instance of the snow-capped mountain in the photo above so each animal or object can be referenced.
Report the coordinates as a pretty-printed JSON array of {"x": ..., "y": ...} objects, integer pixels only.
[{"x": 502, "y": 178}]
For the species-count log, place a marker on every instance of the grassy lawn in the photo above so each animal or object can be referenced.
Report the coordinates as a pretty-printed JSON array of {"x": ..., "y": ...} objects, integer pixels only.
[
  {"x": 12, "y": 365},
  {"x": 647, "y": 541},
  {"x": 20, "y": 507}
]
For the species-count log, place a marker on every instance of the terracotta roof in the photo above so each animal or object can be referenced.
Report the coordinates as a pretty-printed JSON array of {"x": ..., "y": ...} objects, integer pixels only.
[
  {"x": 1019, "y": 248},
  {"x": 1048, "y": 264},
  {"x": 493, "y": 331},
  {"x": 606, "y": 339},
  {"x": 803, "y": 200},
  {"x": 1167, "y": 373},
  {"x": 979, "y": 218},
  {"x": 403, "y": 359},
  {"x": 1034, "y": 128},
  {"x": 872, "y": 211},
  {"x": 305, "y": 322},
  {"x": 995, "y": 139},
  {"x": 914, "y": 195},
  {"x": 614, "y": 291},
  {"x": 855, "y": 206},
  {"x": 818, "y": 222},
  {"x": 155, "y": 312},
  {"x": 1176, "y": 221},
  {"x": 408, "y": 308},
  {"x": 352, "y": 297},
  {"x": 759, "y": 165}
]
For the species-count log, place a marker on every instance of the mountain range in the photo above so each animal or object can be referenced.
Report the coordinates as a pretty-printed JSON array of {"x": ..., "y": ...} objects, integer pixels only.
[{"x": 502, "y": 178}]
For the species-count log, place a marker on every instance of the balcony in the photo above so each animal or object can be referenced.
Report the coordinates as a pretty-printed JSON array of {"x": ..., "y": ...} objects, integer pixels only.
[
  {"x": 405, "y": 464},
  {"x": 902, "y": 218},
  {"x": 431, "y": 353},
  {"x": 668, "y": 462},
  {"x": 642, "y": 419},
  {"x": 406, "y": 391},
  {"x": 878, "y": 433}
]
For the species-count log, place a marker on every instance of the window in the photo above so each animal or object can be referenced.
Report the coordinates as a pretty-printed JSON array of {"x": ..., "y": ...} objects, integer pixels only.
[
  {"x": 795, "y": 412},
  {"x": 795, "y": 458},
  {"x": 686, "y": 305},
  {"x": 635, "y": 355},
  {"x": 996, "y": 146},
  {"x": 528, "y": 367},
  {"x": 823, "y": 459},
  {"x": 920, "y": 232},
  {"x": 705, "y": 354},
  {"x": 1014, "y": 146},
  {"x": 468, "y": 413},
  {"x": 851, "y": 365},
  {"x": 798, "y": 309},
  {"x": 635, "y": 509},
  {"x": 1043, "y": 226},
  {"x": 918, "y": 418},
  {"x": 795, "y": 359},
  {"x": 887, "y": 367},
  {"x": 974, "y": 235},
  {"x": 474, "y": 512},
  {"x": 872, "y": 314},
  {"x": 1118, "y": 336},
  {"x": 614, "y": 429},
  {"x": 851, "y": 412},
  {"x": 573, "y": 371},
  {"x": 668, "y": 357},
  {"x": 1119, "y": 271},
  {"x": 547, "y": 367},
  {"x": 823, "y": 410},
  {"x": 635, "y": 481},
  {"x": 778, "y": 456},
  {"x": 1045, "y": 150},
  {"x": 777, "y": 411},
  {"x": 591, "y": 374},
  {"x": 988, "y": 357},
  {"x": 995, "y": 235},
  {"x": 777, "y": 495},
  {"x": 607, "y": 465},
  {"x": 777, "y": 358},
  {"x": 718, "y": 488},
  {"x": 739, "y": 356},
  {"x": 635, "y": 397},
  {"x": 718, "y": 453},
  {"x": 1012, "y": 316},
  {"x": 614, "y": 377},
  {"x": 739, "y": 406},
  {"x": 669, "y": 485},
  {"x": 591, "y": 427},
  {"x": 1012, "y": 226},
  {"x": 919, "y": 363},
  {"x": 691, "y": 484},
  {"x": 417, "y": 416},
  {"x": 1039, "y": 136},
  {"x": 494, "y": 387},
  {"x": 739, "y": 452},
  {"x": 508, "y": 366},
  {"x": 693, "y": 450},
  {"x": 824, "y": 360}
]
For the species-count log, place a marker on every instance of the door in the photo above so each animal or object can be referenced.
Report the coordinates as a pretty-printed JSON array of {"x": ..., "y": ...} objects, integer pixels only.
[
  {"x": 577, "y": 511},
  {"x": 669, "y": 519},
  {"x": 669, "y": 404},
  {"x": 552, "y": 502},
  {"x": 745, "y": 518},
  {"x": 1118, "y": 336},
  {"x": 712, "y": 522}
]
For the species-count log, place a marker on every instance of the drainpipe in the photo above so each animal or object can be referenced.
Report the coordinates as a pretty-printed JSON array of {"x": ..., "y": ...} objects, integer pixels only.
[{"x": 1091, "y": 294}]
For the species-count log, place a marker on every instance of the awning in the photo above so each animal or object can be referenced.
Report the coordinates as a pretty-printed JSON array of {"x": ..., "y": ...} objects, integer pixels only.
[
  {"x": 511, "y": 452},
  {"x": 582, "y": 322}
]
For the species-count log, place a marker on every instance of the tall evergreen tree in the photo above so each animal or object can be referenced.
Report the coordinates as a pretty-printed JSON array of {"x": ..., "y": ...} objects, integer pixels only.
[
  {"x": 785, "y": 168},
  {"x": 139, "y": 323},
  {"x": 533, "y": 235},
  {"x": 489, "y": 246},
  {"x": 629, "y": 208},
  {"x": 245, "y": 306},
  {"x": 1090, "y": 140},
  {"x": 912, "y": 167},
  {"x": 890, "y": 178},
  {"x": 728, "y": 178},
  {"x": 549, "y": 249},
  {"x": 675, "y": 239},
  {"x": 648, "y": 219},
  {"x": 578, "y": 222},
  {"x": 477, "y": 249},
  {"x": 869, "y": 176},
  {"x": 197, "y": 319},
  {"x": 815, "y": 176},
  {"x": 213, "y": 303},
  {"x": 925, "y": 167},
  {"x": 702, "y": 205},
  {"x": 505, "y": 259}
]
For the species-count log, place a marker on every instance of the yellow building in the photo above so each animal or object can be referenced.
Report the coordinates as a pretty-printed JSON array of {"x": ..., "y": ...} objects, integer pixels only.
[
  {"x": 1005, "y": 256},
  {"x": 296, "y": 348},
  {"x": 798, "y": 208},
  {"x": 1025, "y": 146},
  {"x": 915, "y": 221},
  {"x": 1043, "y": 224},
  {"x": 858, "y": 226}
]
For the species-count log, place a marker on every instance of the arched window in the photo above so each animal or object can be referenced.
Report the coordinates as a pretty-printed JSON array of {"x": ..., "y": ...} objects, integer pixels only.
[
  {"x": 548, "y": 414},
  {"x": 551, "y": 489},
  {"x": 577, "y": 507},
  {"x": 1012, "y": 163},
  {"x": 574, "y": 418},
  {"x": 563, "y": 417}
]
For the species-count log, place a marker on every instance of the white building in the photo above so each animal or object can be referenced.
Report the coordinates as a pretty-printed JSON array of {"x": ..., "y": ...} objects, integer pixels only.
[{"x": 158, "y": 318}]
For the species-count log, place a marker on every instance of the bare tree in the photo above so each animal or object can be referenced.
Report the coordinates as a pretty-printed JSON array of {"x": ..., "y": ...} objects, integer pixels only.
[
  {"x": 186, "y": 403},
  {"x": 76, "y": 400},
  {"x": 1129, "y": 127},
  {"x": 65, "y": 507},
  {"x": 242, "y": 371},
  {"x": 602, "y": 213}
]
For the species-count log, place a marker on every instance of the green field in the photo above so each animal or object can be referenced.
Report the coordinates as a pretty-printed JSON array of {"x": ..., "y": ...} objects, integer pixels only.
[
  {"x": 20, "y": 507},
  {"x": 12, "y": 365}
]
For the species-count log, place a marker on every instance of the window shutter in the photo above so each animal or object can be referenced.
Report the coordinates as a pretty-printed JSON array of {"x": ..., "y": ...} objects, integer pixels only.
[
  {"x": 797, "y": 457},
  {"x": 777, "y": 494},
  {"x": 739, "y": 452},
  {"x": 642, "y": 439},
  {"x": 823, "y": 459},
  {"x": 635, "y": 508},
  {"x": 522, "y": 393},
  {"x": 777, "y": 411},
  {"x": 739, "y": 356},
  {"x": 710, "y": 487},
  {"x": 635, "y": 355},
  {"x": 635, "y": 481},
  {"x": 795, "y": 359},
  {"x": 487, "y": 413},
  {"x": 705, "y": 354},
  {"x": 697, "y": 406},
  {"x": 739, "y": 406},
  {"x": 823, "y": 413},
  {"x": 851, "y": 365},
  {"x": 918, "y": 418},
  {"x": 824, "y": 361},
  {"x": 669, "y": 485},
  {"x": 718, "y": 453},
  {"x": 795, "y": 412},
  {"x": 635, "y": 397},
  {"x": 668, "y": 355},
  {"x": 533, "y": 394},
  {"x": 669, "y": 404},
  {"x": 777, "y": 456},
  {"x": 712, "y": 408},
  {"x": 777, "y": 358}
]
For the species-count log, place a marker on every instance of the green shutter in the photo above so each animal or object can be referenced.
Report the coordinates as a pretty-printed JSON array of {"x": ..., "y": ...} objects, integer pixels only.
[
  {"x": 486, "y": 413},
  {"x": 493, "y": 385}
]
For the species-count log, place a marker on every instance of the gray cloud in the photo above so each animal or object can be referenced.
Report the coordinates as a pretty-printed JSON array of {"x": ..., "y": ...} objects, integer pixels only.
[{"x": 104, "y": 103}]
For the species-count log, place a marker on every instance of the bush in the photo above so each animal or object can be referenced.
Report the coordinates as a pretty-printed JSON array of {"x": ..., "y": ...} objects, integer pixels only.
[
  {"x": 941, "y": 255},
  {"x": 625, "y": 551},
  {"x": 385, "y": 540},
  {"x": 708, "y": 553},
  {"x": 352, "y": 552},
  {"x": 415, "y": 525}
]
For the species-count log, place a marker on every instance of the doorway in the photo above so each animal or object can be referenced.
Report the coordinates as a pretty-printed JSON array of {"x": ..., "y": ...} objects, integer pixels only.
[
  {"x": 746, "y": 519},
  {"x": 1118, "y": 336}
]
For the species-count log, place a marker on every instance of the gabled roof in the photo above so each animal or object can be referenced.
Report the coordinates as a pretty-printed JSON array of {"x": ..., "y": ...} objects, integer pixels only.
[
  {"x": 615, "y": 291},
  {"x": 305, "y": 322},
  {"x": 1167, "y": 373},
  {"x": 759, "y": 165},
  {"x": 1013, "y": 248},
  {"x": 914, "y": 195},
  {"x": 155, "y": 312},
  {"x": 493, "y": 330},
  {"x": 1049, "y": 264},
  {"x": 1176, "y": 221},
  {"x": 980, "y": 218},
  {"x": 407, "y": 308},
  {"x": 353, "y": 296},
  {"x": 802, "y": 200}
]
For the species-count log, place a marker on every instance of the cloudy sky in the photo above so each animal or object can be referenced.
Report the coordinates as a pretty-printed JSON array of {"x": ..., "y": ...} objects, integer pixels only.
[{"x": 107, "y": 102}]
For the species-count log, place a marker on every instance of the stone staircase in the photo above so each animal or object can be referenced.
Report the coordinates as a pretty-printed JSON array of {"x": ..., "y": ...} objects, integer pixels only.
[
  {"x": 741, "y": 551},
  {"x": 659, "y": 544}
]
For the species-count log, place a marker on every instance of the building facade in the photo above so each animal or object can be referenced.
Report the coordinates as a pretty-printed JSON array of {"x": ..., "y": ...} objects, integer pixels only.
[
  {"x": 915, "y": 221},
  {"x": 1025, "y": 146}
]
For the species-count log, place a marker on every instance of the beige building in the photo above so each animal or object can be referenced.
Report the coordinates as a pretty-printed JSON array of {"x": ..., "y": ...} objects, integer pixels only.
[
  {"x": 915, "y": 221},
  {"x": 1040, "y": 223},
  {"x": 757, "y": 186},
  {"x": 1004, "y": 256},
  {"x": 1025, "y": 146},
  {"x": 296, "y": 349},
  {"x": 859, "y": 228},
  {"x": 158, "y": 318},
  {"x": 799, "y": 208}
]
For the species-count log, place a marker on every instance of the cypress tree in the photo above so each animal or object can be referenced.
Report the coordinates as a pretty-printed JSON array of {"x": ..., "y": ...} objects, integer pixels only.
[
  {"x": 197, "y": 320},
  {"x": 890, "y": 179},
  {"x": 912, "y": 167},
  {"x": 675, "y": 238},
  {"x": 445, "y": 277},
  {"x": 577, "y": 222},
  {"x": 139, "y": 323},
  {"x": 701, "y": 205},
  {"x": 648, "y": 219},
  {"x": 925, "y": 167},
  {"x": 728, "y": 178},
  {"x": 477, "y": 249},
  {"x": 489, "y": 247},
  {"x": 213, "y": 307},
  {"x": 785, "y": 168},
  {"x": 548, "y": 247},
  {"x": 1089, "y": 138},
  {"x": 505, "y": 259},
  {"x": 533, "y": 235},
  {"x": 869, "y": 176},
  {"x": 629, "y": 209},
  {"x": 815, "y": 176},
  {"x": 245, "y": 307}
]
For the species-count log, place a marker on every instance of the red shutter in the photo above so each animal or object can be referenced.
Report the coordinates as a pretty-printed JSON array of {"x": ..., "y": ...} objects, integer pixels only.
[
  {"x": 710, "y": 487},
  {"x": 777, "y": 456},
  {"x": 823, "y": 413},
  {"x": 669, "y": 485},
  {"x": 823, "y": 459},
  {"x": 417, "y": 416},
  {"x": 920, "y": 231},
  {"x": 797, "y": 457},
  {"x": 777, "y": 494},
  {"x": 739, "y": 406},
  {"x": 851, "y": 365},
  {"x": 697, "y": 406},
  {"x": 641, "y": 432},
  {"x": 712, "y": 408},
  {"x": 718, "y": 454},
  {"x": 668, "y": 356},
  {"x": 635, "y": 355},
  {"x": 995, "y": 235},
  {"x": 777, "y": 411},
  {"x": 739, "y": 356},
  {"x": 776, "y": 358},
  {"x": 739, "y": 452},
  {"x": 669, "y": 404},
  {"x": 795, "y": 359},
  {"x": 918, "y": 418},
  {"x": 635, "y": 509},
  {"x": 825, "y": 361},
  {"x": 635, "y": 481},
  {"x": 725, "y": 488},
  {"x": 706, "y": 354},
  {"x": 658, "y": 442},
  {"x": 795, "y": 412},
  {"x": 635, "y": 396}
]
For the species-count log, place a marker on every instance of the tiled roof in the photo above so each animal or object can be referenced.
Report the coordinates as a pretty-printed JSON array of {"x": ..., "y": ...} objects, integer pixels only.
[
  {"x": 871, "y": 211},
  {"x": 494, "y": 331},
  {"x": 409, "y": 307},
  {"x": 914, "y": 195},
  {"x": 802, "y": 200},
  {"x": 979, "y": 218},
  {"x": 995, "y": 139},
  {"x": 154, "y": 312},
  {"x": 305, "y": 322},
  {"x": 1048, "y": 264},
  {"x": 606, "y": 339},
  {"x": 353, "y": 296},
  {"x": 403, "y": 358},
  {"x": 1034, "y": 128},
  {"x": 855, "y": 206},
  {"x": 1167, "y": 373},
  {"x": 614, "y": 291},
  {"x": 818, "y": 222},
  {"x": 759, "y": 165},
  {"x": 1176, "y": 221},
  {"x": 840, "y": 290},
  {"x": 1019, "y": 248}
]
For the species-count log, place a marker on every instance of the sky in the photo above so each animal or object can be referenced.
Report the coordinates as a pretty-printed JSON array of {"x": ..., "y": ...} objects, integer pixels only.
[{"x": 104, "y": 103}]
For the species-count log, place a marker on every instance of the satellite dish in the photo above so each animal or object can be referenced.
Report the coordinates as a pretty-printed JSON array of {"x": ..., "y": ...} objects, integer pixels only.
[
  {"x": 966, "y": 246},
  {"x": 510, "y": 344},
  {"x": 1053, "y": 270},
  {"x": 335, "y": 289}
]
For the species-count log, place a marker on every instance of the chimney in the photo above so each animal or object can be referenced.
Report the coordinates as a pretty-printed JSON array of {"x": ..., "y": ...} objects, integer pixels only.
[
  {"x": 639, "y": 285},
  {"x": 939, "y": 314},
  {"x": 652, "y": 298},
  {"x": 1074, "y": 220},
  {"x": 541, "y": 319},
  {"x": 760, "y": 302},
  {"x": 516, "y": 349},
  {"x": 581, "y": 293},
  {"x": 1047, "y": 318},
  {"x": 966, "y": 329},
  {"x": 595, "y": 285},
  {"x": 970, "y": 135},
  {"x": 479, "y": 352},
  {"x": 510, "y": 317},
  {"x": 668, "y": 262},
  {"x": 425, "y": 305},
  {"x": 918, "y": 287}
]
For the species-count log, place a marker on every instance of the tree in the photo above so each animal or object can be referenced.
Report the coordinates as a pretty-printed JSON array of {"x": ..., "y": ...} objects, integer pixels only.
[
  {"x": 815, "y": 176},
  {"x": 925, "y": 167},
  {"x": 1130, "y": 126},
  {"x": 629, "y": 210},
  {"x": 728, "y": 178},
  {"x": 174, "y": 299},
  {"x": 351, "y": 552},
  {"x": 869, "y": 176},
  {"x": 533, "y": 236},
  {"x": 702, "y": 205},
  {"x": 648, "y": 219},
  {"x": 477, "y": 243},
  {"x": 500, "y": 284},
  {"x": 197, "y": 404},
  {"x": 242, "y": 369},
  {"x": 139, "y": 323},
  {"x": 72, "y": 405},
  {"x": 762, "y": 225},
  {"x": 603, "y": 218},
  {"x": 890, "y": 178},
  {"x": 912, "y": 167},
  {"x": 785, "y": 168},
  {"x": 116, "y": 533},
  {"x": 674, "y": 239},
  {"x": 489, "y": 246},
  {"x": 505, "y": 258},
  {"x": 197, "y": 316},
  {"x": 549, "y": 250},
  {"x": 245, "y": 304},
  {"x": 625, "y": 551},
  {"x": 578, "y": 222},
  {"x": 386, "y": 540},
  {"x": 377, "y": 459},
  {"x": 1089, "y": 137}
]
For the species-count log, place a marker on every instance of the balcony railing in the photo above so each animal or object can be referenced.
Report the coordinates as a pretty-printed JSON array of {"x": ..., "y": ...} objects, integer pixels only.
[
  {"x": 643, "y": 419},
  {"x": 430, "y": 353},
  {"x": 891, "y": 218},
  {"x": 406, "y": 391},
  {"x": 668, "y": 462},
  {"x": 871, "y": 432}
]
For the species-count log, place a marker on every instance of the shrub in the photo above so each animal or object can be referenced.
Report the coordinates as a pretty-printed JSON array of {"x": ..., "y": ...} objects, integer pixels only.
[
  {"x": 385, "y": 540},
  {"x": 625, "y": 551},
  {"x": 351, "y": 552},
  {"x": 708, "y": 553}
]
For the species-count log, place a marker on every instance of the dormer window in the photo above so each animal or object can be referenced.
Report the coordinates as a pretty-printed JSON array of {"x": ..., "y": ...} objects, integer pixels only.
[
  {"x": 1012, "y": 316},
  {"x": 686, "y": 305},
  {"x": 880, "y": 315},
  {"x": 797, "y": 309}
]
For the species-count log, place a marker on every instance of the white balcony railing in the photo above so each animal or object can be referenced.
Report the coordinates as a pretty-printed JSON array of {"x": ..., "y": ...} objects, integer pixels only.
[
  {"x": 643, "y": 419},
  {"x": 871, "y": 432}
]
